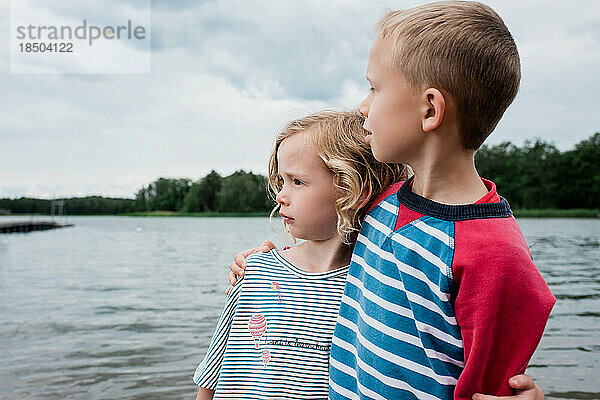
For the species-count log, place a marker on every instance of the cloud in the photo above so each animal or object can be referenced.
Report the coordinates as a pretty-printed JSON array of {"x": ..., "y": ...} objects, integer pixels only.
[
  {"x": 227, "y": 75},
  {"x": 560, "y": 52},
  {"x": 122, "y": 132},
  {"x": 299, "y": 50}
]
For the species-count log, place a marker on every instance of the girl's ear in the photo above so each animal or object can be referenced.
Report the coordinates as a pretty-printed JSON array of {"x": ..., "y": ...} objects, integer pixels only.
[
  {"x": 433, "y": 110},
  {"x": 364, "y": 198}
]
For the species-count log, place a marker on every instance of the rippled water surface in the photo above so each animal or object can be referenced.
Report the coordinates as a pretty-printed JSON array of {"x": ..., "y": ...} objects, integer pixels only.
[{"x": 123, "y": 308}]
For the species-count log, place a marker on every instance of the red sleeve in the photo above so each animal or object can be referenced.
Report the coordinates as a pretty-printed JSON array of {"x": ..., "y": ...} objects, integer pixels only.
[{"x": 502, "y": 304}]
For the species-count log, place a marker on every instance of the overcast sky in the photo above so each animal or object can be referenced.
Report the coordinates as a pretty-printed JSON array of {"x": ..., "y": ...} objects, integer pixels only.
[{"x": 226, "y": 75}]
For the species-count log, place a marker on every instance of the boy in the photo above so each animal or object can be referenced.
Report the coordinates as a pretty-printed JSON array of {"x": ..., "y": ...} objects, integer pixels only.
[{"x": 442, "y": 298}]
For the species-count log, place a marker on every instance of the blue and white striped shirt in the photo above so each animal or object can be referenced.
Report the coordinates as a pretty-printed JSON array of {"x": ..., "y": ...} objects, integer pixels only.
[
  {"x": 274, "y": 336},
  {"x": 396, "y": 334}
]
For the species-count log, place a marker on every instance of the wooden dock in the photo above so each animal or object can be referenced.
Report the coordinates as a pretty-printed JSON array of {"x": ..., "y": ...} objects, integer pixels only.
[{"x": 29, "y": 226}]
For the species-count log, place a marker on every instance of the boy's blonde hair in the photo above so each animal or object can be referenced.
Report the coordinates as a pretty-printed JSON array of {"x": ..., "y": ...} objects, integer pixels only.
[
  {"x": 338, "y": 138},
  {"x": 463, "y": 48}
]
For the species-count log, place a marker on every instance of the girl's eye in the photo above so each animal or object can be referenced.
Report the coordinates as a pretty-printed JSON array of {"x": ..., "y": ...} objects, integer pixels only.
[{"x": 297, "y": 182}]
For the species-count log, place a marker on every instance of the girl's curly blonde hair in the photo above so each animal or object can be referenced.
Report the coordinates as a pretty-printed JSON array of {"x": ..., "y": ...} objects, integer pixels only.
[{"x": 338, "y": 138}]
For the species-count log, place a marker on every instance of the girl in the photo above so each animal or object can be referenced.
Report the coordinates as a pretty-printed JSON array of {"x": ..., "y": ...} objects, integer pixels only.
[{"x": 274, "y": 336}]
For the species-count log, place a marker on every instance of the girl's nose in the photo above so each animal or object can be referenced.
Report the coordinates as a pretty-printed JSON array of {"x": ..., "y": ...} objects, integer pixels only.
[{"x": 281, "y": 198}]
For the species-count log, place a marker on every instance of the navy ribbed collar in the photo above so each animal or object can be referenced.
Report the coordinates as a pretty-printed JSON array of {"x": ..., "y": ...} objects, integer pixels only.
[{"x": 449, "y": 212}]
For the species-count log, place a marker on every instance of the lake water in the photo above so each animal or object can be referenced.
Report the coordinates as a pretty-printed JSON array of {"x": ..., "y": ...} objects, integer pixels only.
[{"x": 123, "y": 307}]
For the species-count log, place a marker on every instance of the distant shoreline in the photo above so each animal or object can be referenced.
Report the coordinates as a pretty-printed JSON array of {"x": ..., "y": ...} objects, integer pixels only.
[
  {"x": 518, "y": 213},
  {"x": 151, "y": 214},
  {"x": 557, "y": 213},
  {"x": 194, "y": 214}
]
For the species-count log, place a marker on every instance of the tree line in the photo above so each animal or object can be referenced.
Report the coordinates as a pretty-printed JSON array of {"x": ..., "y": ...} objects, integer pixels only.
[
  {"x": 539, "y": 176},
  {"x": 535, "y": 175},
  {"x": 90, "y": 205},
  {"x": 240, "y": 192}
]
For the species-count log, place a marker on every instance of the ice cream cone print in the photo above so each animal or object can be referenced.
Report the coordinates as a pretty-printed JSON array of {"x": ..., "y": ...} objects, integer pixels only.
[{"x": 275, "y": 286}]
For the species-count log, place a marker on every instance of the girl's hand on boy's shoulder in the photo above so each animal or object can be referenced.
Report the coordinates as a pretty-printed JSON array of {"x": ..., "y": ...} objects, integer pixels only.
[
  {"x": 238, "y": 265},
  {"x": 525, "y": 388}
]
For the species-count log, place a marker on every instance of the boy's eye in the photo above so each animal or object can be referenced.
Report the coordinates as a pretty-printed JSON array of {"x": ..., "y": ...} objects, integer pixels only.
[{"x": 297, "y": 181}]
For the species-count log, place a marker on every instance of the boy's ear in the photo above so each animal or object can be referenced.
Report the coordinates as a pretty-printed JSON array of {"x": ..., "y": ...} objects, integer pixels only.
[{"x": 434, "y": 108}]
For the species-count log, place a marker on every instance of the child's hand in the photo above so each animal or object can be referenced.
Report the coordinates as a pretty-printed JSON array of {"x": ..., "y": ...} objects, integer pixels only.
[
  {"x": 205, "y": 394},
  {"x": 238, "y": 266},
  {"x": 525, "y": 388}
]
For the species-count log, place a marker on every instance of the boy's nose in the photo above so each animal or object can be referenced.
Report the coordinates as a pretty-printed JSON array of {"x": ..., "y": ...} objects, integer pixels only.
[{"x": 363, "y": 107}]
